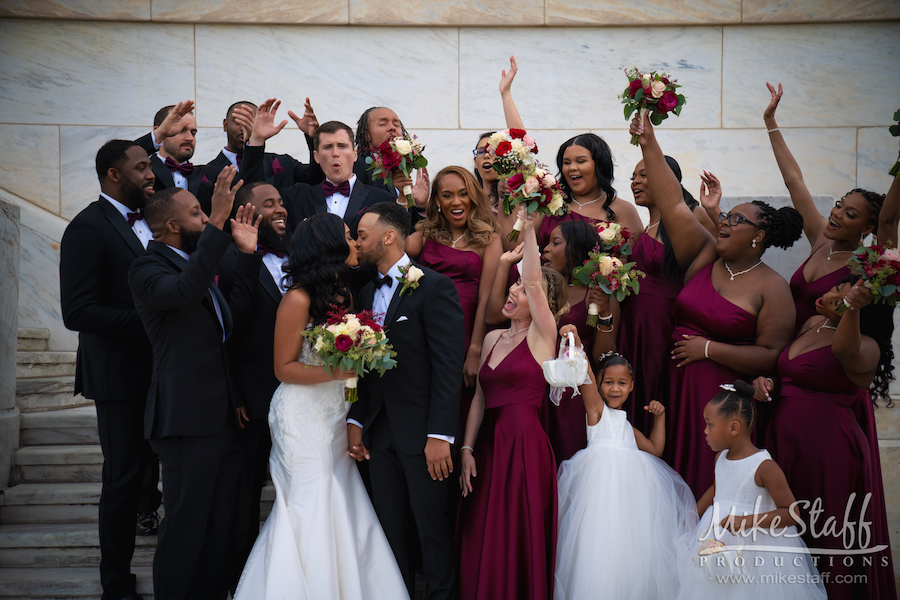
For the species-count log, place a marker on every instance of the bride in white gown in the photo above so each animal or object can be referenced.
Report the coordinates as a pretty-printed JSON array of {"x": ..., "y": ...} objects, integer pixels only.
[{"x": 322, "y": 539}]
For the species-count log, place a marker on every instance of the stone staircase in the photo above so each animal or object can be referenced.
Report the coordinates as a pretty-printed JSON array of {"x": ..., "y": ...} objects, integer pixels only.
[{"x": 49, "y": 546}]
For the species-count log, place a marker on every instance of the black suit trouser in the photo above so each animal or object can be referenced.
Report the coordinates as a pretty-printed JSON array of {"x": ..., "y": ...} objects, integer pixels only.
[
  {"x": 130, "y": 479},
  {"x": 402, "y": 485},
  {"x": 196, "y": 536}
]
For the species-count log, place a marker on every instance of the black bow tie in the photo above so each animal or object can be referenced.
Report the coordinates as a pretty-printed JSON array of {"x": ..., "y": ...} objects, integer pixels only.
[{"x": 380, "y": 281}]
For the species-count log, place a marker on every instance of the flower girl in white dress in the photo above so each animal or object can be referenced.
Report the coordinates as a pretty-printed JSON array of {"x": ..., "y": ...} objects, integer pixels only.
[
  {"x": 621, "y": 508},
  {"x": 746, "y": 545}
]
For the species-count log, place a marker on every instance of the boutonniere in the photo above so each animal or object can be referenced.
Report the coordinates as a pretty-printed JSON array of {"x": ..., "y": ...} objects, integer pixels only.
[{"x": 410, "y": 275}]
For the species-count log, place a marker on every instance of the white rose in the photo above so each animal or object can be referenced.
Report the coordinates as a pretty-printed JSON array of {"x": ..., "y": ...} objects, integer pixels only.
[
  {"x": 549, "y": 180},
  {"x": 414, "y": 274},
  {"x": 617, "y": 262},
  {"x": 320, "y": 343},
  {"x": 402, "y": 146},
  {"x": 539, "y": 173},
  {"x": 646, "y": 78},
  {"x": 341, "y": 329},
  {"x": 606, "y": 265},
  {"x": 608, "y": 235},
  {"x": 353, "y": 326},
  {"x": 556, "y": 203},
  {"x": 657, "y": 88},
  {"x": 496, "y": 139}
]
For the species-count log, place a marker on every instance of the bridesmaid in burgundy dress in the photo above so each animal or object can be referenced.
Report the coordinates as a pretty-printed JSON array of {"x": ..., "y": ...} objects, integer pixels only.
[
  {"x": 818, "y": 442},
  {"x": 457, "y": 239},
  {"x": 645, "y": 334},
  {"x": 734, "y": 315},
  {"x": 507, "y": 524}
]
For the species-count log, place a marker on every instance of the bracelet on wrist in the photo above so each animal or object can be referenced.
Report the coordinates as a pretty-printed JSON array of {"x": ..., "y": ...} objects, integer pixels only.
[
  {"x": 773, "y": 130},
  {"x": 706, "y": 349},
  {"x": 469, "y": 448}
]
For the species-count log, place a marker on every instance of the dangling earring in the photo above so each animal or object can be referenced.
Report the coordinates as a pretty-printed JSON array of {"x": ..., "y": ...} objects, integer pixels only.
[{"x": 753, "y": 243}]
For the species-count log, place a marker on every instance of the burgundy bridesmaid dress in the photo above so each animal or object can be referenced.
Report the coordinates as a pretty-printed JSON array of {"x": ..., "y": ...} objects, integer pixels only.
[
  {"x": 645, "y": 331},
  {"x": 700, "y": 310},
  {"x": 806, "y": 293},
  {"x": 565, "y": 424},
  {"x": 507, "y": 525},
  {"x": 464, "y": 268},
  {"x": 550, "y": 223},
  {"x": 816, "y": 439}
]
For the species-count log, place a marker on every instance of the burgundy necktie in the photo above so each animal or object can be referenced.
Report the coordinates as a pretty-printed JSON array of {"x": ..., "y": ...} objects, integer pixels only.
[
  {"x": 263, "y": 249},
  {"x": 184, "y": 168},
  {"x": 135, "y": 216},
  {"x": 342, "y": 188},
  {"x": 238, "y": 159}
]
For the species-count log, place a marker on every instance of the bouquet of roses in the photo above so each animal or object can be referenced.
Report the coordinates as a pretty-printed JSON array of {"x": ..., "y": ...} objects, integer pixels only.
[
  {"x": 652, "y": 93},
  {"x": 610, "y": 275},
  {"x": 401, "y": 153},
  {"x": 537, "y": 190},
  {"x": 352, "y": 341},
  {"x": 879, "y": 268},
  {"x": 513, "y": 151},
  {"x": 614, "y": 238},
  {"x": 895, "y": 131}
]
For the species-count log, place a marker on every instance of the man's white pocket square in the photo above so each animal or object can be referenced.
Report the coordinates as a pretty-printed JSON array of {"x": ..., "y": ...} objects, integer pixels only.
[{"x": 401, "y": 319}]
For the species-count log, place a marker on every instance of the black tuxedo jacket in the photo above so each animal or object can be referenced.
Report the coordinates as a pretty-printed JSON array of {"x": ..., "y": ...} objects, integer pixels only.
[
  {"x": 190, "y": 393},
  {"x": 114, "y": 359},
  {"x": 420, "y": 396},
  {"x": 363, "y": 175},
  {"x": 164, "y": 177},
  {"x": 251, "y": 345},
  {"x": 303, "y": 201},
  {"x": 280, "y": 170}
]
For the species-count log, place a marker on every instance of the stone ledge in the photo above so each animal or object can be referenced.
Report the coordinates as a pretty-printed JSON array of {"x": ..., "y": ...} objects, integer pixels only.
[
  {"x": 59, "y": 455},
  {"x": 63, "y": 582}
]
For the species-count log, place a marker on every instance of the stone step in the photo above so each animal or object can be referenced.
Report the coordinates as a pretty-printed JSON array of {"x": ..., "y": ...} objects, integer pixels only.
[
  {"x": 62, "y": 545},
  {"x": 48, "y": 393},
  {"x": 64, "y": 583},
  {"x": 50, "y": 503},
  {"x": 44, "y": 364},
  {"x": 68, "y": 426},
  {"x": 48, "y": 464},
  {"x": 33, "y": 339}
]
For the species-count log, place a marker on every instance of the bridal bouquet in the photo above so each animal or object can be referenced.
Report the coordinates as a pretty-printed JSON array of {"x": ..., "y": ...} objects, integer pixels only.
[
  {"x": 352, "y": 341},
  {"x": 610, "y": 275},
  {"x": 537, "y": 190},
  {"x": 895, "y": 131},
  {"x": 513, "y": 152},
  {"x": 652, "y": 93},
  {"x": 614, "y": 238},
  {"x": 401, "y": 153},
  {"x": 879, "y": 268}
]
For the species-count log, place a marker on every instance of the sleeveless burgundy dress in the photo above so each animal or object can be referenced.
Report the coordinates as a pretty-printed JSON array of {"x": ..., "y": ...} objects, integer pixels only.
[
  {"x": 645, "y": 331},
  {"x": 806, "y": 293},
  {"x": 507, "y": 525},
  {"x": 700, "y": 310},
  {"x": 565, "y": 424},
  {"x": 550, "y": 223},
  {"x": 464, "y": 268},
  {"x": 816, "y": 439}
]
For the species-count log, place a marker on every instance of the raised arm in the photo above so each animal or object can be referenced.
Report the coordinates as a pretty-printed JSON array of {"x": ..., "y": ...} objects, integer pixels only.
[
  {"x": 542, "y": 332},
  {"x": 494, "y": 309},
  {"x": 858, "y": 354},
  {"x": 489, "y": 263},
  {"x": 513, "y": 120},
  {"x": 813, "y": 221},
  {"x": 890, "y": 215}
]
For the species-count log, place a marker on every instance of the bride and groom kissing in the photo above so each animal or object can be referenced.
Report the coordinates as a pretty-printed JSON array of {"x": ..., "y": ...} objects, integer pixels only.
[{"x": 323, "y": 538}]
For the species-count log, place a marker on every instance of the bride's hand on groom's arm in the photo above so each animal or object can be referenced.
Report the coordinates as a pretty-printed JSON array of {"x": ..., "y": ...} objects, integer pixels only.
[{"x": 354, "y": 440}]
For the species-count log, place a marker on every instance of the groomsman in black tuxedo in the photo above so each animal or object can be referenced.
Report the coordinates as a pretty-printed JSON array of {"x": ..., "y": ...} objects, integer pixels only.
[
  {"x": 190, "y": 418},
  {"x": 376, "y": 125},
  {"x": 341, "y": 193},
  {"x": 114, "y": 360},
  {"x": 281, "y": 170},
  {"x": 252, "y": 359},
  {"x": 406, "y": 422},
  {"x": 171, "y": 145}
]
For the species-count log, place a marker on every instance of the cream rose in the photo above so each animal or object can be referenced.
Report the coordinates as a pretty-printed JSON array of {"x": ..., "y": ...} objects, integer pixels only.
[
  {"x": 555, "y": 204},
  {"x": 532, "y": 185},
  {"x": 320, "y": 343},
  {"x": 496, "y": 139},
  {"x": 657, "y": 88},
  {"x": 891, "y": 254},
  {"x": 414, "y": 274},
  {"x": 353, "y": 326},
  {"x": 539, "y": 173},
  {"x": 403, "y": 146},
  {"x": 617, "y": 262},
  {"x": 608, "y": 235},
  {"x": 646, "y": 77},
  {"x": 549, "y": 180},
  {"x": 606, "y": 265}
]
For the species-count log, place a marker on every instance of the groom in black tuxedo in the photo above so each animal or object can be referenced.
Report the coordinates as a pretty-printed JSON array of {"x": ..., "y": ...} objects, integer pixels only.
[
  {"x": 406, "y": 422},
  {"x": 190, "y": 417}
]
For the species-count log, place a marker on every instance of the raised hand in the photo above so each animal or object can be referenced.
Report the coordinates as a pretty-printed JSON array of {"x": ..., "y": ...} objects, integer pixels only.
[
  {"x": 511, "y": 257},
  {"x": 244, "y": 229},
  {"x": 308, "y": 124},
  {"x": 172, "y": 123},
  {"x": 769, "y": 113},
  {"x": 223, "y": 196},
  {"x": 422, "y": 188},
  {"x": 644, "y": 130},
  {"x": 507, "y": 77},
  {"x": 710, "y": 200},
  {"x": 264, "y": 126},
  {"x": 858, "y": 296}
]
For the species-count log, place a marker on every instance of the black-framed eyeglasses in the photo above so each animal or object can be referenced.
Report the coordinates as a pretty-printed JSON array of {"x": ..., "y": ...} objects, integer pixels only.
[
  {"x": 735, "y": 219},
  {"x": 479, "y": 152}
]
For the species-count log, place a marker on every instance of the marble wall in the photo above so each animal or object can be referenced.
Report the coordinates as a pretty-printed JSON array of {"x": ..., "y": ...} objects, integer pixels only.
[{"x": 9, "y": 300}]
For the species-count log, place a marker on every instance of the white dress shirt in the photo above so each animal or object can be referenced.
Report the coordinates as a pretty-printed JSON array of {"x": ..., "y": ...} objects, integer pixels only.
[
  {"x": 380, "y": 304},
  {"x": 275, "y": 266},
  {"x": 232, "y": 156},
  {"x": 337, "y": 203},
  {"x": 140, "y": 227},
  {"x": 180, "y": 180},
  {"x": 215, "y": 302}
]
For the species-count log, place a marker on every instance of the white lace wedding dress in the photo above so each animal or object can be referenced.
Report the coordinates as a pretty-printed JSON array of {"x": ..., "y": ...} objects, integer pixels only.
[{"x": 322, "y": 539}]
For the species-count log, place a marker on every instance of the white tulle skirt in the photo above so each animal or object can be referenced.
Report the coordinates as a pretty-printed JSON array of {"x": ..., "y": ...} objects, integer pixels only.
[
  {"x": 769, "y": 567},
  {"x": 621, "y": 511}
]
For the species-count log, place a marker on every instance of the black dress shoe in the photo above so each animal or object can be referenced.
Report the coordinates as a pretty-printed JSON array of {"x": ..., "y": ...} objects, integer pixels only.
[{"x": 147, "y": 524}]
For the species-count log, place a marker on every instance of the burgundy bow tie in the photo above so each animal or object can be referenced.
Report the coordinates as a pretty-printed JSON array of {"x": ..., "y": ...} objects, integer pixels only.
[
  {"x": 184, "y": 168},
  {"x": 342, "y": 188},
  {"x": 135, "y": 216},
  {"x": 263, "y": 249}
]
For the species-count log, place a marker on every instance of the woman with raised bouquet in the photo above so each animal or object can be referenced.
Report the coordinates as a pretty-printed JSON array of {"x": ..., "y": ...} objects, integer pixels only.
[
  {"x": 403, "y": 154},
  {"x": 322, "y": 538}
]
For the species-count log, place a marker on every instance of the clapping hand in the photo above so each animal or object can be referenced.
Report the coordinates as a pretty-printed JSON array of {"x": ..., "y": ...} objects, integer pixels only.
[
  {"x": 172, "y": 123},
  {"x": 308, "y": 124},
  {"x": 223, "y": 196},
  {"x": 709, "y": 200},
  {"x": 244, "y": 229}
]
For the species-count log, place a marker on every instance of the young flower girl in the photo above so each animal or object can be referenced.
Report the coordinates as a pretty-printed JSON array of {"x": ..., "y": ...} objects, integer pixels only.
[
  {"x": 621, "y": 509},
  {"x": 746, "y": 545}
]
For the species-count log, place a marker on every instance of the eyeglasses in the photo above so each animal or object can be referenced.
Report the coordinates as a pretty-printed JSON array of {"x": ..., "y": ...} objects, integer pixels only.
[
  {"x": 479, "y": 152},
  {"x": 735, "y": 219}
]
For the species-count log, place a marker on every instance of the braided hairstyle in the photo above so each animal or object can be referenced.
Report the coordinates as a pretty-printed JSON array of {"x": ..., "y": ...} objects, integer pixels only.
[
  {"x": 557, "y": 290},
  {"x": 670, "y": 268},
  {"x": 737, "y": 402},
  {"x": 874, "y": 201},
  {"x": 783, "y": 226},
  {"x": 363, "y": 139},
  {"x": 611, "y": 359}
]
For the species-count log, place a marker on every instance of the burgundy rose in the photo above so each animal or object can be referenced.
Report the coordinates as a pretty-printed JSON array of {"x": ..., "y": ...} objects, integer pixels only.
[
  {"x": 342, "y": 343},
  {"x": 516, "y": 181},
  {"x": 503, "y": 148},
  {"x": 633, "y": 87},
  {"x": 546, "y": 197},
  {"x": 648, "y": 92},
  {"x": 667, "y": 102},
  {"x": 517, "y": 134}
]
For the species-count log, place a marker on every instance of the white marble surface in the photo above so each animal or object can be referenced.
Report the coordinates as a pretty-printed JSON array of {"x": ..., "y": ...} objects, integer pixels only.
[
  {"x": 647, "y": 12},
  {"x": 413, "y": 71},
  {"x": 876, "y": 153},
  {"x": 570, "y": 78},
  {"x": 30, "y": 158},
  {"x": 448, "y": 12},
  {"x": 9, "y": 299},
  {"x": 798, "y": 11},
  {"x": 833, "y": 75},
  {"x": 112, "y": 10},
  {"x": 88, "y": 73}
]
